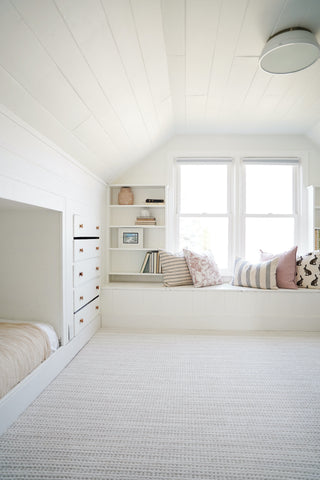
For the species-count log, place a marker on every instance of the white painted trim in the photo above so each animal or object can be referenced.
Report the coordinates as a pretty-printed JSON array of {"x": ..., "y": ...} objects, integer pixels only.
[{"x": 23, "y": 394}]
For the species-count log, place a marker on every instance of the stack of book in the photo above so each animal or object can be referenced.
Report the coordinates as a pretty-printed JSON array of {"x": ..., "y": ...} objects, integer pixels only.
[
  {"x": 146, "y": 221},
  {"x": 154, "y": 200},
  {"x": 151, "y": 262}
]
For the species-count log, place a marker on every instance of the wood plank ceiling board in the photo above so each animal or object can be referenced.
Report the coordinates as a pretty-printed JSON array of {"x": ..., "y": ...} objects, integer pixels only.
[
  {"x": 202, "y": 18},
  {"x": 241, "y": 75},
  {"x": 195, "y": 113},
  {"x": 173, "y": 18},
  {"x": 121, "y": 23},
  {"x": 24, "y": 142},
  {"x": 148, "y": 22},
  {"x": 18, "y": 100},
  {"x": 259, "y": 23},
  {"x": 230, "y": 22},
  {"x": 98, "y": 46},
  {"x": 174, "y": 26},
  {"x": 92, "y": 135},
  {"x": 25, "y": 60},
  {"x": 64, "y": 51},
  {"x": 177, "y": 69},
  {"x": 302, "y": 82},
  {"x": 108, "y": 81}
]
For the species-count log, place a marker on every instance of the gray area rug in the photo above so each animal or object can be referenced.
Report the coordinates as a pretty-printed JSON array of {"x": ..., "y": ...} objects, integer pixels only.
[{"x": 135, "y": 406}]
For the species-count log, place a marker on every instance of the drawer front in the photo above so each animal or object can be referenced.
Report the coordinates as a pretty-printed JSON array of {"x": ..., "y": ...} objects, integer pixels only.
[
  {"x": 85, "y": 271},
  {"x": 85, "y": 227},
  {"x": 84, "y": 293},
  {"x": 84, "y": 249},
  {"x": 85, "y": 315}
]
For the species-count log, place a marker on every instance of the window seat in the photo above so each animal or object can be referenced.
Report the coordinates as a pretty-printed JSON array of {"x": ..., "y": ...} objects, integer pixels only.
[{"x": 222, "y": 307}]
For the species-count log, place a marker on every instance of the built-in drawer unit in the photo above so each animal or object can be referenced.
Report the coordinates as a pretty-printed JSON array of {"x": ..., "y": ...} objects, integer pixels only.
[
  {"x": 85, "y": 227},
  {"x": 84, "y": 248},
  {"x": 86, "y": 271},
  {"x": 86, "y": 314},
  {"x": 84, "y": 293}
]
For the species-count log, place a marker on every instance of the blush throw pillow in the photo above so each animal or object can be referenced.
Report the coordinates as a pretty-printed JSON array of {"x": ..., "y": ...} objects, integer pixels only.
[
  {"x": 175, "y": 270},
  {"x": 259, "y": 275},
  {"x": 203, "y": 269},
  {"x": 308, "y": 270},
  {"x": 286, "y": 269}
]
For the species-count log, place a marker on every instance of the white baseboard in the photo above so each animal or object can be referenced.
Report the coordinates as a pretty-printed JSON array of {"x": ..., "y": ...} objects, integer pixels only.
[{"x": 23, "y": 394}]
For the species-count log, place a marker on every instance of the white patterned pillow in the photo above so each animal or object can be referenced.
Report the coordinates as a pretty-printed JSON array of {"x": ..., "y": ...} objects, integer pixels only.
[
  {"x": 259, "y": 275},
  {"x": 204, "y": 270},
  {"x": 175, "y": 270},
  {"x": 308, "y": 270}
]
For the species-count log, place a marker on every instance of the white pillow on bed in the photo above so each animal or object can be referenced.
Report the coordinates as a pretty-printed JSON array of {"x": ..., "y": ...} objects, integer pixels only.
[{"x": 48, "y": 329}]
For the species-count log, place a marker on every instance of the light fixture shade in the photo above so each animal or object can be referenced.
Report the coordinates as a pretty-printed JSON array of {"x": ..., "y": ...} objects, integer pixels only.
[{"x": 289, "y": 51}]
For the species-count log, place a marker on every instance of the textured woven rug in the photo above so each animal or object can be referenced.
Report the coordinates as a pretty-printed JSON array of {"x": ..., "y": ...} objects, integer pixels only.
[{"x": 134, "y": 406}]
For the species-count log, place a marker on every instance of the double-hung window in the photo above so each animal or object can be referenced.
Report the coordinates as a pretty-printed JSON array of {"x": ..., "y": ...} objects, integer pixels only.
[
  {"x": 235, "y": 207},
  {"x": 270, "y": 213},
  {"x": 204, "y": 217}
]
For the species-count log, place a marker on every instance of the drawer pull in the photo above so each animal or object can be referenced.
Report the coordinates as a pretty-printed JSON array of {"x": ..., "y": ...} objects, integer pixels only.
[
  {"x": 81, "y": 250},
  {"x": 97, "y": 287},
  {"x": 81, "y": 320},
  {"x": 97, "y": 248},
  {"x": 81, "y": 298},
  {"x": 81, "y": 274},
  {"x": 97, "y": 268},
  {"x": 97, "y": 227},
  {"x": 81, "y": 225},
  {"x": 97, "y": 307}
]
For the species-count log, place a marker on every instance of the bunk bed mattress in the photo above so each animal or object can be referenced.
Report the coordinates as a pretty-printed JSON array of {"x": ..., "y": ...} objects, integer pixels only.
[{"x": 23, "y": 346}]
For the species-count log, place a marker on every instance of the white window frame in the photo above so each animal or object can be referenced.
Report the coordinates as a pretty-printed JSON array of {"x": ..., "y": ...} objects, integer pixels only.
[
  {"x": 228, "y": 161},
  {"x": 296, "y": 195},
  {"x": 237, "y": 196}
]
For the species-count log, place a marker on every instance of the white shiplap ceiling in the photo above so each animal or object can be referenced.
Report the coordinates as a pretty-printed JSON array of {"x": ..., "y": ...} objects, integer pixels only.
[{"x": 108, "y": 81}]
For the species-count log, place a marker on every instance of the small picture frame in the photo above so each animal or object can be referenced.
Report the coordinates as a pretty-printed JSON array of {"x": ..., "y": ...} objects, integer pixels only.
[{"x": 130, "y": 237}]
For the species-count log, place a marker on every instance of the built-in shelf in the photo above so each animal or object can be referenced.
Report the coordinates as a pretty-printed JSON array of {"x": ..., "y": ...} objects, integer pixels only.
[
  {"x": 132, "y": 249},
  {"x": 140, "y": 226},
  {"x": 125, "y": 263},
  {"x": 136, "y": 274},
  {"x": 144, "y": 205}
]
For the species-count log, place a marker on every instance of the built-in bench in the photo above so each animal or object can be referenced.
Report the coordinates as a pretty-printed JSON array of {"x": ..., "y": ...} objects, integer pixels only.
[{"x": 222, "y": 307}]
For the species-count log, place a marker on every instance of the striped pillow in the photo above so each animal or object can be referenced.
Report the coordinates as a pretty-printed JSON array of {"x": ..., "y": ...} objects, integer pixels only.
[
  {"x": 175, "y": 270},
  {"x": 259, "y": 275}
]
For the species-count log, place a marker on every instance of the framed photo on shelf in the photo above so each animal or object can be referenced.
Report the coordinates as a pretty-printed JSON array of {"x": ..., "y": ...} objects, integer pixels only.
[{"x": 130, "y": 237}]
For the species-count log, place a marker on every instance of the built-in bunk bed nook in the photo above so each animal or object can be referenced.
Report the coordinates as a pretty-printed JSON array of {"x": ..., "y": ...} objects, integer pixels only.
[{"x": 31, "y": 300}]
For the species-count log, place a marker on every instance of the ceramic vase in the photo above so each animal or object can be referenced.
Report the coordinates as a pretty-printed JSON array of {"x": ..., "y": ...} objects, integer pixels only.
[{"x": 125, "y": 196}]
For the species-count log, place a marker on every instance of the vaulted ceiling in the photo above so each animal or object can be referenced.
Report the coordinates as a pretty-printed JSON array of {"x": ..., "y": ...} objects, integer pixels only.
[{"x": 108, "y": 81}]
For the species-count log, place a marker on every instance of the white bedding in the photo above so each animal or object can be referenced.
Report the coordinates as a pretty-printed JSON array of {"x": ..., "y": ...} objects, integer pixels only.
[{"x": 48, "y": 329}]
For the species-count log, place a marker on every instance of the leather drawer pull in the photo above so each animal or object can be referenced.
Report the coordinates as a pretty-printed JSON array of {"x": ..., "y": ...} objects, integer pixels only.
[
  {"x": 97, "y": 307},
  {"x": 97, "y": 227},
  {"x": 81, "y": 250},
  {"x": 97, "y": 248},
  {"x": 97, "y": 268},
  {"x": 81, "y": 320},
  {"x": 97, "y": 287},
  {"x": 81, "y": 298},
  {"x": 81, "y": 225},
  {"x": 81, "y": 274}
]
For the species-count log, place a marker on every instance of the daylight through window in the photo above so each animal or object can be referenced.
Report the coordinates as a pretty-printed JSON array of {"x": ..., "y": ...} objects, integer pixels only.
[{"x": 237, "y": 208}]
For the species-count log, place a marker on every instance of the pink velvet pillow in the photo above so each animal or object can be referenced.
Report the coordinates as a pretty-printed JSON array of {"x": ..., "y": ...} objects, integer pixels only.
[
  {"x": 286, "y": 269},
  {"x": 203, "y": 269}
]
